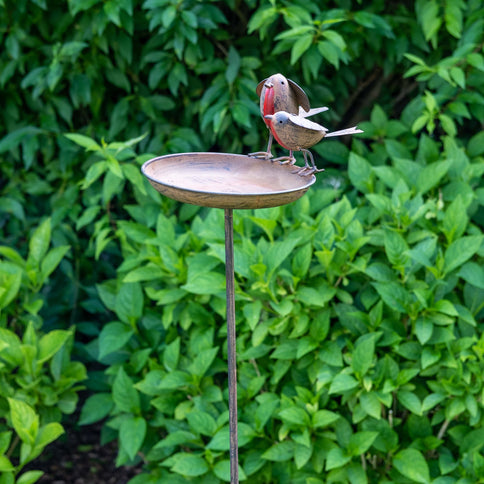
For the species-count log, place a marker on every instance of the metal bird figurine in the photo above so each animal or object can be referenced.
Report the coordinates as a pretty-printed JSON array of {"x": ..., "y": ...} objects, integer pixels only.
[
  {"x": 277, "y": 93},
  {"x": 297, "y": 133}
]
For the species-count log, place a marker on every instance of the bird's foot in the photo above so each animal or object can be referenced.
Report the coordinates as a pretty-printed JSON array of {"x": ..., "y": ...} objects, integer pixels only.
[
  {"x": 285, "y": 160},
  {"x": 262, "y": 155},
  {"x": 308, "y": 170}
]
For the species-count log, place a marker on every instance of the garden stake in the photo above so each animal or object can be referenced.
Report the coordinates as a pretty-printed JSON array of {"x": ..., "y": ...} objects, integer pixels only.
[
  {"x": 231, "y": 345},
  {"x": 228, "y": 181}
]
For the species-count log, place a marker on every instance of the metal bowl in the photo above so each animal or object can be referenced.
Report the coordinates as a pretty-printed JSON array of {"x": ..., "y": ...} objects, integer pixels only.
[{"x": 224, "y": 180}]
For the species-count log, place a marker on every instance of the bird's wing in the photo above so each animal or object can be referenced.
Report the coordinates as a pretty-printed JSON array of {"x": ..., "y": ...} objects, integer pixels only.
[
  {"x": 305, "y": 123},
  {"x": 342, "y": 132},
  {"x": 259, "y": 87},
  {"x": 311, "y": 112},
  {"x": 302, "y": 99}
]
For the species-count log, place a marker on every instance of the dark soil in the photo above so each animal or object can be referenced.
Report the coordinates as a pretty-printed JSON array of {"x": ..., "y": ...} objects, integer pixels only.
[{"x": 78, "y": 458}]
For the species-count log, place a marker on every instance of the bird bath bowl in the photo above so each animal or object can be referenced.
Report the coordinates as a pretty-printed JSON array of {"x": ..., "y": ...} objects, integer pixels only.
[
  {"x": 224, "y": 180},
  {"x": 228, "y": 181}
]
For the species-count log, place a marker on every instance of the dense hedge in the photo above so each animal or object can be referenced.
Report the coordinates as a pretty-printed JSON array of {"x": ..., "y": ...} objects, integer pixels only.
[{"x": 359, "y": 307}]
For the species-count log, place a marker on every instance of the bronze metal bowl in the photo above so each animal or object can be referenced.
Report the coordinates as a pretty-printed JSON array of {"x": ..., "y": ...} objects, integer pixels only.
[{"x": 224, "y": 180}]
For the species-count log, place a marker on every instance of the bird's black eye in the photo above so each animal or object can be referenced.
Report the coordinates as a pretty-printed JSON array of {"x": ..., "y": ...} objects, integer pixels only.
[
  {"x": 282, "y": 82},
  {"x": 280, "y": 122}
]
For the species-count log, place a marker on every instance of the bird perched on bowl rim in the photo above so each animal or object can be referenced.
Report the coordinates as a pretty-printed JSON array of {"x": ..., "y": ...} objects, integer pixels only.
[
  {"x": 296, "y": 133},
  {"x": 277, "y": 93}
]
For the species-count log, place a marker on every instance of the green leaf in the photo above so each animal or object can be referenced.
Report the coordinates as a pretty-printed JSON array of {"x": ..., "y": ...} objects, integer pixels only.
[
  {"x": 412, "y": 464},
  {"x": 460, "y": 251},
  {"x": 206, "y": 283},
  {"x": 360, "y": 172},
  {"x": 316, "y": 296},
  {"x": 9, "y": 285},
  {"x": 93, "y": 173},
  {"x": 410, "y": 401},
  {"x": 202, "y": 423},
  {"x": 278, "y": 252},
  {"x": 424, "y": 328},
  {"x": 363, "y": 354},
  {"x": 394, "y": 295},
  {"x": 96, "y": 407},
  {"x": 188, "y": 465},
  {"x": 458, "y": 76},
  {"x": 88, "y": 143},
  {"x": 430, "y": 176},
  {"x": 125, "y": 396},
  {"x": 280, "y": 452},
  {"x": 129, "y": 302},
  {"x": 176, "y": 438},
  {"x": 301, "y": 45},
  {"x": 113, "y": 337},
  {"x": 171, "y": 355},
  {"x": 295, "y": 415},
  {"x": 371, "y": 405},
  {"x": 29, "y": 477},
  {"x": 360, "y": 442},
  {"x": 202, "y": 362},
  {"x": 324, "y": 418},
  {"x": 48, "y": 433},
  {"x": 342, "y": 383},
  {"x": 475, "y": 147},
  {"x": 265, "y": 15},
  {"x": 24, "y": 420},
  {"x": 330, "y": 52},
  {"x": 5, "y": 464},
  {"x": 132, "y": 434},
  {"x": 14, "y": 138},
  {"x": 430, "y": 401},
  {"x": 337, "y": 457},
  {"x": 395, "y": 248},
  {"x": 52, "y": 260},
  {"x": 174, "y": 380},
  {"x": 302, "y": 454},
  {"x": 473, "y": 273},
  {"x": 233, "y": 65},
  {"x": 455, "y": 219},
  {"x": 252, "y": 313},
  {"x": 72, "y": 48},
  {"x": 429, "y": 18},
  {"x": 51, "y": 343},
  {"x": 5, "y": 439},
  {"x": 39, "y": 244}
]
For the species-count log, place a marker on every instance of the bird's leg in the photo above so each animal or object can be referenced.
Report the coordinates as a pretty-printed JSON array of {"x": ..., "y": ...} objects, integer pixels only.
[
  {"x": 309, "y": 167},
  {"x": 284, "y": 160},
  {"x": 265, "y": 155}
]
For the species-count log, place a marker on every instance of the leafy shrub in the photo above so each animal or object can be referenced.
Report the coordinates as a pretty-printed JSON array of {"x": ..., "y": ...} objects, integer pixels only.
[
  {"x": 359, "y": 308},
  {"x": 38, "y": 380}
]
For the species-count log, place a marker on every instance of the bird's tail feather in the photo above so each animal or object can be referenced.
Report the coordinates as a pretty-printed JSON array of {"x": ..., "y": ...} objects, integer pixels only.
[{"x": 342, "y": 132}]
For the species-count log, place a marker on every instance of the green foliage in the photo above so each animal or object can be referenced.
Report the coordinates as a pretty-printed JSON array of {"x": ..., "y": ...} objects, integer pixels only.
[
  {"x": 38, "y": 380},
  {"x": 359, "y": 307}
]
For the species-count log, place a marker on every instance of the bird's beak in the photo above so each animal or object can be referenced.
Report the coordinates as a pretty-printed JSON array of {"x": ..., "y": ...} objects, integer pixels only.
[
  {"x": 269, "y": 116},
  {"x": 268, "y": 84}
]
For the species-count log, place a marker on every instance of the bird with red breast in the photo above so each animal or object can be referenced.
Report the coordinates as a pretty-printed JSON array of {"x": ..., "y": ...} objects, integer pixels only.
[
  {"x": 296, "y": 133},
  {"x": 277, "y": 93}
]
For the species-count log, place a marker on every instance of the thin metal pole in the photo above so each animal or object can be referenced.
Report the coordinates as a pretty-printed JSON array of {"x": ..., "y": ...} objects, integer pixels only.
[{"x": 231, "y": 349}]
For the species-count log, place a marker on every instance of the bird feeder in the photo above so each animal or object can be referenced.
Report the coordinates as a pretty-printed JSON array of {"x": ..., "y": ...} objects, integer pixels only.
[{"x": 229, "y": 181}]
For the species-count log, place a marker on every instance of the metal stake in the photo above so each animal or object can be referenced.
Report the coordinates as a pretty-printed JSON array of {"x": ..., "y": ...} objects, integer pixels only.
[{"x": 231, "y": 349}]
